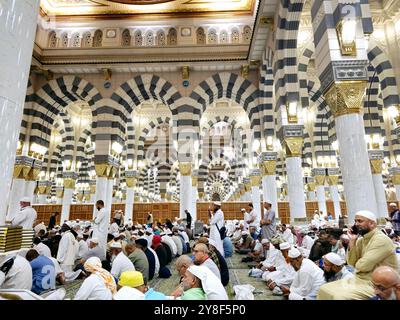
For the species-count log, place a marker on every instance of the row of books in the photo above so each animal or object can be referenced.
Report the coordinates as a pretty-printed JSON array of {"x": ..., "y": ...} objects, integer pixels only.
[{"x": 15, "y": 238}]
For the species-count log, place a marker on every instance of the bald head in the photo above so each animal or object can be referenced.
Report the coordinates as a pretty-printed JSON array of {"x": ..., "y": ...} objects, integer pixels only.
[
  {"x": 182, "y": 263},
  {"x": 386, "y": 282}
]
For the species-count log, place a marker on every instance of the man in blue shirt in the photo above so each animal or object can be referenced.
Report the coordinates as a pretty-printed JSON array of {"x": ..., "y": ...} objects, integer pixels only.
[{"x": 43, "y": 272}]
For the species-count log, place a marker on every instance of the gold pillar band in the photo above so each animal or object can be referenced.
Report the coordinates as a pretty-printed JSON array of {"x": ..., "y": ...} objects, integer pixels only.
[
  {"x": 333, "y": 180},
  {"x": 396, "y": 179},
  {"x": 136, "y": 198},
  {"x": 376, "y": 166},
  {"x": 185, "y": 168},
  {"x": 42, "y": 189},
  {"x": 255, "y": 181},
  {"x": 195, "y": 181},
  {"x": 131, "y": 182},
  {"x": 319, "y": 180},
  {"x": 163, "y": 196},
  {"x": 201, "y": 195},
  {"x": 310, "y": 186},
  {"x": 294, "y": 146},
  {"x": 92, "y": 189},
  {"x": 247, "y": 187},
  {"x": 268, "y": 168},
  {"x": 69, "y": 183},
  {"x": 60, "y": 193},
  {"x": 346, "y": 97},
  {"x": 242, "y": 191},
  {"x": 80, "y": 196}
]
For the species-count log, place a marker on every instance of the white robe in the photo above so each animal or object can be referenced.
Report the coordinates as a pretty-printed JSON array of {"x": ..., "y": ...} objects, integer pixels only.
[
  {"x": 307, "y": 281},
  {"x": 113, "y": 228},
  {"x": 25, "y": 218},
  {"x": 67, "y": 251},
  {"x": 171, "y": 244},
  {"x": 128, "y": 293},
  {"x": 217, "y": 220},
  {"x": 288, "y": 236},
  {"x": 178, "y": 243},
  {"x": 120, "y": 264},
  {"x": 212, "y": 286},
  {"x": 210, "y": 264},
  {"x": 93, "y": 288},
  {"x": 19, "y": 276},
  {"x": 157, "y": 268},
  {"x": 306, "y": 245},
  {"x": 100, "y": 227},
  {"x": 83, "y": 249},
  {"x": 43, "y": 249}
]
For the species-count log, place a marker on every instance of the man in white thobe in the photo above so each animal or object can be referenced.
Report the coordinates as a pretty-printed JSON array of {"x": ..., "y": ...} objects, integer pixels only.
[
  {"x": 100, "y": 224},
  {"x": 217, "y": 222},
  {"x": 26, "y": 217},
  {"x": 287, "y": 235},
  {"x": 308, "y": 279},
  {"x": 15, "y": 272},
  {"x": 120, "y": 262},
  {"x": 67, "y": 249}
]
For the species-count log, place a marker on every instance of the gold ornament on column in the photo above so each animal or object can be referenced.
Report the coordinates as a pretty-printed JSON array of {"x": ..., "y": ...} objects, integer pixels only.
[
  {"x": 60, "y": 193},
  {"x": 255, "y": 180},
  {"x": 310, "y": 186},
  {"x": 18, "y": 172},
  {"x": 319, "y": 180},
  {"x": 103, "y": 170},
  {"x": 333, "y": 180},
  {"x": 92, "y": 189},
  {"x": 33, "y": 174},
  {"x": 185, "y": 168},
  {"x": 376, "y": 166},
  {"x": 294, "y": 146},
  {"x": 201, "y": 195},
  {"x": 42, "y": 189},
  {"x": 268, "y": 168},
  {"x": 131, "y": 182},
  {"x": 194, "y": 181},
  {"x": 247, "y": 187},
  {"x": 69, "y": 183},
  {"x": 346, "y": 97}
]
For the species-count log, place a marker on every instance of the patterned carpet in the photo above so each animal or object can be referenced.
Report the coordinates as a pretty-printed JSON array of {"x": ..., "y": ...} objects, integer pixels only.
[{"x": 238, "y": 272}]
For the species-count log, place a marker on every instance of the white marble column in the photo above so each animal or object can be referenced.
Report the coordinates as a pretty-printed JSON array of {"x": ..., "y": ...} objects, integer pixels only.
[
  {"x": 269, "y": 186},
  {"x": 376, "y": 162},
  {"x": 295, "y": 188},
  {"x": 395, "y": 175},
  {"x": 17, "y": 192},
  {"x": 18, "y": 20},
  {"x": 130, "y": 199},
  {"x": 255, "y": 178},
  {"x": 109, "y": 197},
  {"x": 101, "y": 192},
  {"x": 42, "y": 199},
  {"x": 185, "y": 195},
  {"x": 311, "y": 195},
  {"x": 354, "y": 164},
  {"x": 66, "y": 204},
  {"x": 333, "y": 181},
  {"x": 30, "y": 187},
  {"x": 319, "y": 177}
]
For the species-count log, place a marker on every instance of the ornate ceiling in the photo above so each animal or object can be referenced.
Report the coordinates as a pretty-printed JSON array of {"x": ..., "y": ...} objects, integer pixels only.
[{"x": 134, "y": 7}]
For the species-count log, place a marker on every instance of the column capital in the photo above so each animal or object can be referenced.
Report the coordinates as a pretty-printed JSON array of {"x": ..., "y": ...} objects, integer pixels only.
[
  {"x": 255, "y": 177},
  {"x": 395, "y": 175},
  {"x": 105, "y": 170},
  {"x": 131, "y": 182},
  {"x": 319, "y": 176},
  {"x": 69, "y": 183},
  {"x": 333, "y": 180},
  {"x": 59, "y": 192},
  {"x": 247, "y": 184},
  {"x": 376, "y": 160},
  {"x": 267, "y": 161},
  {"x": 195, "y": 180},
  {"x": 346, "y": 97},
  {"x": 185, "y": 168},
  {"x": 294, "y": 146},
  {"x": 44, "y": 187}
]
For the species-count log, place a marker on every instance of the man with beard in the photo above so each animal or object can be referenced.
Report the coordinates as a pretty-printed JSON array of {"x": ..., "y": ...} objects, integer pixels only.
[
  {"x": 320, "y": 247},
  {"x": 369, "y": 248},
  {"x": 386, "y": 283},
  {"x": 334, "y": 268},
  {"x": 120, "y": 262}
]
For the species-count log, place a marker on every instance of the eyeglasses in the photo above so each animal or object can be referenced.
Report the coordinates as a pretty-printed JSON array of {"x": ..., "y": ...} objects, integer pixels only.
[
  {"x": 381, "y": 288},
  {"x": 195, "y": 251}
]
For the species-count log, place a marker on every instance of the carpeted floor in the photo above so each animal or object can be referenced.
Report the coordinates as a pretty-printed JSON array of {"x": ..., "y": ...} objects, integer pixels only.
[{"x": 238, "y": 272}]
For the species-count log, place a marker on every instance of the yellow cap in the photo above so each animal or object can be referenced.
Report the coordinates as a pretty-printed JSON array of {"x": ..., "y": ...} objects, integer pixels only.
[{"x": 131, "y": 279}]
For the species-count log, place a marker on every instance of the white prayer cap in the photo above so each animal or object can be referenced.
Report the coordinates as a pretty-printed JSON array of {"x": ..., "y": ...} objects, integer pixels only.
[
  {"x": 94, "y": 240},
  {"x": 243, "y": 209},
  {"x": 25, "y": 199},
  {"x": 212, "y": 242},
  {"x": 334, "y": 258},
  {"x": 268, "y": 201},
  {"x": 198, "y": 271},
  {"x": 115, "y": 234},
  {"x": 392, "y": 204},
  {"x": 294, "y": 253},
  {"x": 150, "y": 230},
  {"x": 366, "y": 214},
  {"x": 80, "y": 234},
  {"x": 264, "y": 241},
  {"x": 245, "y": 233},
  {"x": 181, "y": 228},
  {"x": 284, "y": 246},
  {"x": 116, "y": 245},
  {"x": 168, "y": 232},
  {"x": 217, "y": 203},
  {"x": 69, "y": 223}
]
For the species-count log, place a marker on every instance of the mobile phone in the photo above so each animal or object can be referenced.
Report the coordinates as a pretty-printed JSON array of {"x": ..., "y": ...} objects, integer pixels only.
[{"x": 354, "y": 229}]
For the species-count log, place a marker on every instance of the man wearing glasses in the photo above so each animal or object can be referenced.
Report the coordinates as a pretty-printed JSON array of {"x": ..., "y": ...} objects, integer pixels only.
[{"x": 386, "y": 284}]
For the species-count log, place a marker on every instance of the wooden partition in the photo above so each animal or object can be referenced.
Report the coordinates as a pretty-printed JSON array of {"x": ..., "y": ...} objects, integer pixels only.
[{"x": 169, "y": 210}]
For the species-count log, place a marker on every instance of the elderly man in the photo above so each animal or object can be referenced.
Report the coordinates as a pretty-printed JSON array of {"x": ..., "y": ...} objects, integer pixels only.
[
  {"x": 394, "y": 217},
  {"x": 334, "y": 268},
  {"x": 132, "y": 286},
  {"x": 201, "y": 258},
  {"x": 268, "y": 223},
  {"x": 67, "y": 248},
  {"x": 154, "y": 263},
  {"x": 192, "y": 286},
  {"x": 120, "y": 262},
  {"x": 287, "y": 235},
  {"x": 181, "y": 265},
  {"x": 139, "y": 260},
  {"x": 306, "y": 242},
  {"x": 368, "y": 249},
  {"x": 386, "y": 283},
  {"x": 247, "y": 243},
  {"x": 307, "y": 280},
  {"x": 216, "y": 223},
  {"x": 26, "y": 217}
]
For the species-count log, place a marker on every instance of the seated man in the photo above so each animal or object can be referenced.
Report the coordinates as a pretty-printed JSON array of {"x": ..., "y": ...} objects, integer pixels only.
[
  {"x": 307, "y": 280},
  {"x": 201, "y": 258},
  {"x": 120, "y": 262},
  {"x": 15, "y": 272},
  {"x": 386, "y": 283},
  {"x": 139, "y": 260},
  {"x": 192, "y": 287},
  {"x": 43, "y": 272},
  {"x": 131, "y": 286},
  {"x": 334, "y": 268},
  {"x": 365, "y": 254},
  {"x": 247, "y": 243},
  {"x": 320, "y": 247},
  {"x": 228, "y": 247},
  {"x": 237, "y": 234}
]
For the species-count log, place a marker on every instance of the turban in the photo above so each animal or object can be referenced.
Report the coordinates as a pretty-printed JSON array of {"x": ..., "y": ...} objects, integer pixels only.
[
  {"x": 268, "y": 201},
  {"x": 93, "y": 265},
  {"x": 131, "y": 279},
  {"x": 25, "y": 199},
  {"x": 294, "y": 253},
  {"x": 264, "y": 241},
  {"x": 366, "y": 214},
  {"x": 334, "y": 258}
]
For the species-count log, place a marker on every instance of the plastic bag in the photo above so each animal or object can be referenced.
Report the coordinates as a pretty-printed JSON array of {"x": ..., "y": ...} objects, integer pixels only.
[
  {"x": 244, "y": 292},
  {"x": 256, "y": 273}
]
